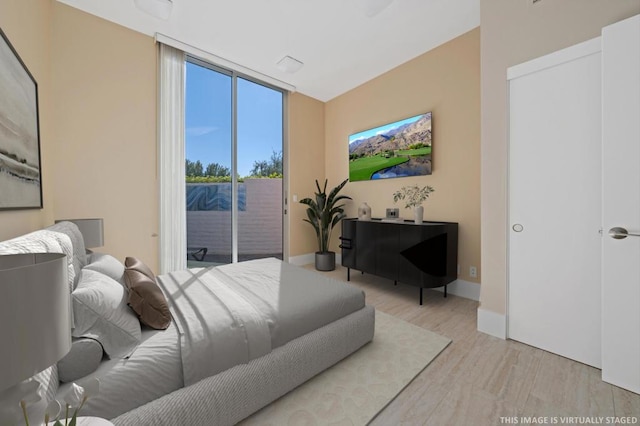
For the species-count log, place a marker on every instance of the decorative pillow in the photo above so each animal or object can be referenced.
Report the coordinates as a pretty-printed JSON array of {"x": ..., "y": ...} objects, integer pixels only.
[
  {"x": 145, "y": 297},
  {"x": 106, "y": 265},
  {"x": 84, "y": 358},
  {"x": 101, "y": 313}
]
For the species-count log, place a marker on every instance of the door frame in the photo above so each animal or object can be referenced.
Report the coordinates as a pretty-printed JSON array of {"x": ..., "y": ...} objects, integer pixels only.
[{"x": 586, "y": 48}]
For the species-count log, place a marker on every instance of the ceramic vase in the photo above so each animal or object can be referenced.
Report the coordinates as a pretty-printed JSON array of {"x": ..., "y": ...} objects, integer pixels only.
[
  {"x": 364, "y": 212},
  {"x": 418, "y": 213}
]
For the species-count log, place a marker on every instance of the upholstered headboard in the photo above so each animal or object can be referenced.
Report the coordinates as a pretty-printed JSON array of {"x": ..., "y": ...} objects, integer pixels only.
[{"x": 63, "y": 237}]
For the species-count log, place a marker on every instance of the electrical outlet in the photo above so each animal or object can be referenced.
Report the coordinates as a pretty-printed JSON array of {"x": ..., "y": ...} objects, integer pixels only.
[{"x": 473, "y": 272}]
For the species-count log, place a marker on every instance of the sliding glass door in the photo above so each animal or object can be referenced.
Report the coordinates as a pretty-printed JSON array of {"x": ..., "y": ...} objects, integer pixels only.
[
  {"x": 233, "y": 144},
  {"x": 259, "y": 141}
]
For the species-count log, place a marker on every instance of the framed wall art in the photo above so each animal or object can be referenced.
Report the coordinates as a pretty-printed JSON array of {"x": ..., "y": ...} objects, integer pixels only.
[{"x": 20, "y": 175}]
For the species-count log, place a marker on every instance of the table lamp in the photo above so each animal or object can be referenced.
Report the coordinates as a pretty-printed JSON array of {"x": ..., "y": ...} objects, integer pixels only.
[
  {"x": 34, "y": 313},
  {"x": 92, "y": 231}
]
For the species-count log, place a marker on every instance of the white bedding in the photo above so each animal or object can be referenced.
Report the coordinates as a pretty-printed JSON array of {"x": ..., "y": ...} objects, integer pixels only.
[
  {"x": 153, "y": 370},
  {"x": 223, "y": 316},
  {"x": 250, "y": 308}
]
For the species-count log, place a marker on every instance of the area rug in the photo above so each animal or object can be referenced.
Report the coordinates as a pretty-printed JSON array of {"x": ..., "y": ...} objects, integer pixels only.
[{"x": 353, "y": 391}]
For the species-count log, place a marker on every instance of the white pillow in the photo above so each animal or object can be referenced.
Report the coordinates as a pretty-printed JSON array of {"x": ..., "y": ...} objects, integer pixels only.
[
  {"x": 101, "y": 312},
  {"x": 106, "y": 265}
]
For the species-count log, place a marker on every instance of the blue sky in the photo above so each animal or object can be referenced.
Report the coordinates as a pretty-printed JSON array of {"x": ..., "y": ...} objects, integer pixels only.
[
  {"x": 208, "y": 119},
  {"x": 382, "y": 129}
]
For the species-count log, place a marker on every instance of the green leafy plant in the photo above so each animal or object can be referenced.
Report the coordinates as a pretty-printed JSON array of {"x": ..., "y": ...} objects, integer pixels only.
[
  {"x": 413, "y": 196},
  {"x": 324, "y": 212}
]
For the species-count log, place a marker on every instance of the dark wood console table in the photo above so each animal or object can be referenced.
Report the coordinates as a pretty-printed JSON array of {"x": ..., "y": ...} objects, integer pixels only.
[{"x": 423, "y": 255}]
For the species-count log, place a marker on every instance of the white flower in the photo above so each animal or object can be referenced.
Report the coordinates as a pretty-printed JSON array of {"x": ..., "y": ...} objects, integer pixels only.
[
  {"x": 53, "y": 411},
  {"x": 74, "y": 396}
]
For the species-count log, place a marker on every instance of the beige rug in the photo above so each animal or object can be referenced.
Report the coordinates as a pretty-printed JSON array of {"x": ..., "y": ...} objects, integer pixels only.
[{"x": 353, "y": 391}]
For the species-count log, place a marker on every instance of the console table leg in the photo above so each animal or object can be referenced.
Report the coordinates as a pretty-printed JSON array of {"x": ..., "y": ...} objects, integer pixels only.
[
  {"x": 420, "y": 296},
  {"x": 395, "y": 282},
  {"x": 445, "y": 291},
  {"x": 349, "y": 274}
]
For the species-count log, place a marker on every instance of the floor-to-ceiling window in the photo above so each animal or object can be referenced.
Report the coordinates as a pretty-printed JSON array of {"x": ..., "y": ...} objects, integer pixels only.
[{"x": 234, "y": 166}]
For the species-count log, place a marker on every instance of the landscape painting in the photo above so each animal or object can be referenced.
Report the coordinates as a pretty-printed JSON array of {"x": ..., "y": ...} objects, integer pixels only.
[
  {"x": 20, "y": 181},
  {"x": 398, "y": 149}
]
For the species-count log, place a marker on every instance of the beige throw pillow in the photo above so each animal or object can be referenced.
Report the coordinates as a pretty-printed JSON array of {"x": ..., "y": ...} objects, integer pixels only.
[{"x": 145, "y": 297}]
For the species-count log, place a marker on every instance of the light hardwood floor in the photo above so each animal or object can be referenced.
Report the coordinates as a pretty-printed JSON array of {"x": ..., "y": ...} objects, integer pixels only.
[{"x": 478, "y": 378}]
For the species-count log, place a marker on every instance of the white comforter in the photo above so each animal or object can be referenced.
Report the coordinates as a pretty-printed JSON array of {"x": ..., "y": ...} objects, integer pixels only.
[
  {"x": 204, "y": 307},
  {"x": 233, "y": 314}
]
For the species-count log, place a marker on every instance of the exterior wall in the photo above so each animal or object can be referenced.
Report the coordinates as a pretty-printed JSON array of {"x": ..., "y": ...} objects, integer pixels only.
[
  {"x": 259, "y": 225},
  {"x": 514, "y": 32}
]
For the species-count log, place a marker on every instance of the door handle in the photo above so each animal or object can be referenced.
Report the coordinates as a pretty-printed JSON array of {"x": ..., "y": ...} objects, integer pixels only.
[{"x": 619, "y": 233}]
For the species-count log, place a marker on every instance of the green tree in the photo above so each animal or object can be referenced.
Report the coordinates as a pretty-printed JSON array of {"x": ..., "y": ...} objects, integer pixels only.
[
  {"x": 194, "y": 168},
  {"x": 266, "y": 168},
  {"x": 215, "y": 169}
]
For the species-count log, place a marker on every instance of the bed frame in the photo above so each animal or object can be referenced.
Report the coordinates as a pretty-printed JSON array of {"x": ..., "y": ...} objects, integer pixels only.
[{"x": 233, "y": 395}]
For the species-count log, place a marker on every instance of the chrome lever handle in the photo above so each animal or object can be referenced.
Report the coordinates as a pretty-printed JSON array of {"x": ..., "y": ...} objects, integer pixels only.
[{"x": 619, "y": 233}]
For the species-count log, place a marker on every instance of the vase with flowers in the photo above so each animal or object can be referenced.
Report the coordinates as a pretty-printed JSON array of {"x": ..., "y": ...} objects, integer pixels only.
[
  {"x": 14, "y": 403},
  {"x": 413, "y": 197}
]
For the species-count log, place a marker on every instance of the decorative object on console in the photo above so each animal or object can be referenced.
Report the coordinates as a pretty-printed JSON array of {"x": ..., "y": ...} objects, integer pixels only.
[
  {"x": 20, "y": 177},
  {"x": 414, "y": 196},
  {"x": 393, "y": 214},
  {"x": 37, "y": 331},
  {"x": 398, "y": 149},
  {"x": 323, "y": 214},
  {"x": 92, "y": 231},
  {"x": 364, "y": 212}
]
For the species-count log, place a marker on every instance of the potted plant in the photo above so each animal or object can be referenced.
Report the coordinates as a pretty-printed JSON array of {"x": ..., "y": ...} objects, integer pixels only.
[
  {"x": 323, "y": 214},
  {"x": 414, "y": 196}
]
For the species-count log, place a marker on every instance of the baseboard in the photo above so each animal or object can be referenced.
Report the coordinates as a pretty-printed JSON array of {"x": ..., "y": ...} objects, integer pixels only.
[
  {"x": 303, "y": 259},
  {"x": 306, "y": 259},
  {"x": 492, "y": 323},
  {"x": 463, "y": 288}
]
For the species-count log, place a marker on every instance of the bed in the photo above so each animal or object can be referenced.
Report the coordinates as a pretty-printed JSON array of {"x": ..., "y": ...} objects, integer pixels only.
[{"x": 240, "y": 335}]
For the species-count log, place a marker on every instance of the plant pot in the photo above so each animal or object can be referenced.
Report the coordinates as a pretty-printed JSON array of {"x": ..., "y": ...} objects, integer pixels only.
[
  {"x": 418, "y": 213},
  {"x": 325, "y": 261}
]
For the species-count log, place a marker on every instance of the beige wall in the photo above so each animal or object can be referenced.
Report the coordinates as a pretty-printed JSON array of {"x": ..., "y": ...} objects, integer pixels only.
[
  {"x": 27, "y": 25},
  {"x": 514, "y": 32},
  {"x": 306, "y": 164},
  {"x": 446, "y": 81},
  {"x": 104, "y": 87}
]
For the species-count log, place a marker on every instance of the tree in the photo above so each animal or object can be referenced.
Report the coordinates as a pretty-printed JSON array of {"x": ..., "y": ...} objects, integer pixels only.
[
  {"x": 266, "y": 168},
  {"x": 193, "y": 168},
  {"x": 215, "y": 169}
]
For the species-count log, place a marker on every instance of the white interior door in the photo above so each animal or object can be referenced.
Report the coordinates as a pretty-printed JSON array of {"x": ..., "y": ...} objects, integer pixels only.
[
  {"x": 621, "y": 204},
  {"x": 555, "y": 202}
]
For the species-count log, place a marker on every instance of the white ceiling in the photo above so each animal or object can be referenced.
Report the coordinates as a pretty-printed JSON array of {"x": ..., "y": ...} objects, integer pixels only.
[{"x": 339, "y": 45}]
